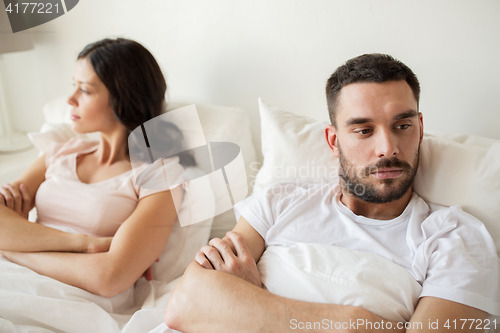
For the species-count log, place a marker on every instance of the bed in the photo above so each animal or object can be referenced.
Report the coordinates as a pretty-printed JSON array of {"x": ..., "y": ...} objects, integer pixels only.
[{"x": 293, "y": 150}]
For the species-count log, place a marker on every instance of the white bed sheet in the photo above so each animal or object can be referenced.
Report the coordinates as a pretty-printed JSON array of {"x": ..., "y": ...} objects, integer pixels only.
[{"x": 30, "y": 302}]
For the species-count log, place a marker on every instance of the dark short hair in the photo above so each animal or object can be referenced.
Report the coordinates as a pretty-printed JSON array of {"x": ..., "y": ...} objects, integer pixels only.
[
  {"x": 135, "y": 83},
  {"x": 373, "y": 67}
]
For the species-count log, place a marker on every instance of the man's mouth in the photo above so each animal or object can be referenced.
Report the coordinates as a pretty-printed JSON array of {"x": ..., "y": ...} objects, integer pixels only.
[{"x": 387, "y": 173}]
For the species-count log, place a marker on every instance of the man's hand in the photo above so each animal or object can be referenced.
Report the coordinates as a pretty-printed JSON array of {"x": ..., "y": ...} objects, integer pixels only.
[
  {"x": 17, "y": 199},
  {"x": 219, "y": 255}
]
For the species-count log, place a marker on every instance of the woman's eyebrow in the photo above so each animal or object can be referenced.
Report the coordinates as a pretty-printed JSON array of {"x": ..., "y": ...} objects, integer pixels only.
[{"x": 86, "y": 82}]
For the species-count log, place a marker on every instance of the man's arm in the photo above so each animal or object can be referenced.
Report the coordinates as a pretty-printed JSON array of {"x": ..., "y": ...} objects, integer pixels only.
[
  {"x": 440, "y": 315},
  {"x": 213, "y": 301},
  {"x": 207, "y": 300}
]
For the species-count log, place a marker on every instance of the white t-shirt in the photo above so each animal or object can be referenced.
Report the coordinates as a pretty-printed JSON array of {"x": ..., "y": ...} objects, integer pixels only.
[{"x": 449, "y": 252}]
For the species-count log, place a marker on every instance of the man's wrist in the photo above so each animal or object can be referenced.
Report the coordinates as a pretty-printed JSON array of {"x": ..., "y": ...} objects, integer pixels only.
[
  {"x": 333, "y": 318},
  {"x": 299, "y": 314},
  {"x": 370, "y": 321}
]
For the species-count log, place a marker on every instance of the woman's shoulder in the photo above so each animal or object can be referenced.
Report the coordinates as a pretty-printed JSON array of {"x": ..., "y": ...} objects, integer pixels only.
[
  {"x": 71, "y": 146},
  {"x": 162, "y": 175}
]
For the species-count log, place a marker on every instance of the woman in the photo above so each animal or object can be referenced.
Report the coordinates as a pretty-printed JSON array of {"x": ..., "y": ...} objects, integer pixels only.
[{"x": 88, "y": 187}]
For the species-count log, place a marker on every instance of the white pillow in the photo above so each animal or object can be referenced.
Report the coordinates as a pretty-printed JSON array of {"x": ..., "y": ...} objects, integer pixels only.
[
  {"x": 293, "y": 148},
  {"x": 57, "y": 126},
  {"x": 184, "y": 242},
  {"x": 465, "y": 172},
  {"x": 226, "y": 124}
]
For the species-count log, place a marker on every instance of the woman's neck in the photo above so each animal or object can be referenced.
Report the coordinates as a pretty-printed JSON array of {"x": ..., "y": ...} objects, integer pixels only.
[{"x": 112, "y": 147}]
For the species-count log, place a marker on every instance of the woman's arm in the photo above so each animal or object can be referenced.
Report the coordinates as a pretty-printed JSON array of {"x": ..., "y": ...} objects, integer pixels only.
[
  {"x": 31, "y": 179},
  {"x": 18, "y": 234},
  {"x": 136, "y": 245}
]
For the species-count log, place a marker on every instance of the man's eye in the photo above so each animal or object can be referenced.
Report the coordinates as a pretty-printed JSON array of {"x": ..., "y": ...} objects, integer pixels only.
[
  {"x": 363, "y": 131},
  {"x": 403, "y": 126}
]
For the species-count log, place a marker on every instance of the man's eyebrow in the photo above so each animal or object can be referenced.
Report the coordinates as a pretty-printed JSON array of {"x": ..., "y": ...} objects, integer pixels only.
[
  {"x": 403, "y": 115},
  {"x": 357, "y": 121},
  {"x": 406, "y": 114}
]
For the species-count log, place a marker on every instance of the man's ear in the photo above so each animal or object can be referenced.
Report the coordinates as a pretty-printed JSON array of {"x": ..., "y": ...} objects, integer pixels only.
[
  {"x": 421, "y": 124},
  {"x": 331, "y": 139}
]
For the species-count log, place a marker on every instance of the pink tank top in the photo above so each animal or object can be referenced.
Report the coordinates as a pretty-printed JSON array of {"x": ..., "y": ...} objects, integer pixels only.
[{"x": 96, "y": 209}]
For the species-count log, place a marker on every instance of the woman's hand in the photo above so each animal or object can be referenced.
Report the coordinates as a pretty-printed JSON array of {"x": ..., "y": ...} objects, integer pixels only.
[
  {"x": 148, "y": 274},
  {"x": 97, "y": 244},
  {"x": 17, "y": 199}
]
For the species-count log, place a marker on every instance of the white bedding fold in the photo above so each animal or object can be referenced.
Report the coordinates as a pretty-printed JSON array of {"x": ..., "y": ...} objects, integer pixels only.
[
  {"x": 328, "y": 274},
  {"x": 30, "y": 302}
]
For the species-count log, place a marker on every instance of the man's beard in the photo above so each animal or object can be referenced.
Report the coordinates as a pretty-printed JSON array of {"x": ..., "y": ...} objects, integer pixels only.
[{"x": 356, "y": 183}]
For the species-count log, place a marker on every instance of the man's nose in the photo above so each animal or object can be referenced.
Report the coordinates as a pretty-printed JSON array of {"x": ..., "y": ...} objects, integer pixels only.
[{"x": 386, "y": 144}]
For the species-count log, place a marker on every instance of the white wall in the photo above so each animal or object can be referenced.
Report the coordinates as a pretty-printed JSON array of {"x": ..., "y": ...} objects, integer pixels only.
[{"x": 231, "y": 52}]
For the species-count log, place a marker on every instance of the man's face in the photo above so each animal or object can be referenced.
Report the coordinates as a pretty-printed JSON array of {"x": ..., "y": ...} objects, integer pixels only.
[{"x": 377, "y": 140}]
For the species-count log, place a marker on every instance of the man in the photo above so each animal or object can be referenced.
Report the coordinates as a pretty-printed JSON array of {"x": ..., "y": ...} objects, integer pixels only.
[{"x": 376, "y": 132}]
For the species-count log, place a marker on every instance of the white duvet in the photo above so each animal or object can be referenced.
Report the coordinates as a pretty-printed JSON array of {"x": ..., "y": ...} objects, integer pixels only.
[
  {"x": 30, "y": 302},
  {"x": 329, "y": 274}
]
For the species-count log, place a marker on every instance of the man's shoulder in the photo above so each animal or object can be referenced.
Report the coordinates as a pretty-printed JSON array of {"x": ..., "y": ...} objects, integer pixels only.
[
  {"x": 449, "y": 217},
  {"x": 441, "y": 209},
  {"x": 437, "y": 209}
]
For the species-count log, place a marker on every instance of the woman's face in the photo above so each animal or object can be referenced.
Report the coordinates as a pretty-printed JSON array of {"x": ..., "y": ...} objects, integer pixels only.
[{"x": 91, "y": 109}]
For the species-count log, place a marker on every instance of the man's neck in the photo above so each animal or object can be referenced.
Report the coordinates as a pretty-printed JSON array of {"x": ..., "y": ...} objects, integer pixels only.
[{"x": 385, "y": 211}]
